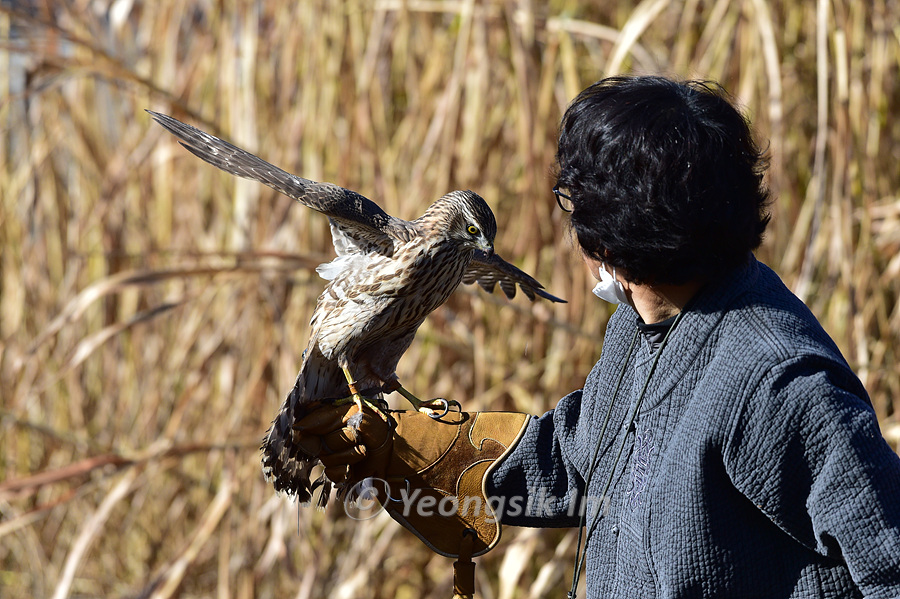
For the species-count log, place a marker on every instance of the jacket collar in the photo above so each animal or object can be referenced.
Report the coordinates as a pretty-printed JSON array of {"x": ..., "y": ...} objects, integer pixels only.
[{"x": 691, "y": 334}]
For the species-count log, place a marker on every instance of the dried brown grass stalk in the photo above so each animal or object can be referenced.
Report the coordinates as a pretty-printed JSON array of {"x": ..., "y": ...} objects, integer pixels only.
[{"x": 149, "y": 302}]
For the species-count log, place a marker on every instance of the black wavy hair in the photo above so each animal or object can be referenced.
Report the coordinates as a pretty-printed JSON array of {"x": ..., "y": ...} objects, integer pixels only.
[{"x": 665, "y": 178}]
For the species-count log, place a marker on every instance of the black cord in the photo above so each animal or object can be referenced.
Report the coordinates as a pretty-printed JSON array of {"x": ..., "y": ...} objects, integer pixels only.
[{"x": 581, "y": 552}]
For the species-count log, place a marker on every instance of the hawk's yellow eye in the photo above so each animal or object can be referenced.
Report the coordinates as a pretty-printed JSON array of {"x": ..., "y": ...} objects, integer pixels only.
[{"x": 472, "y": 229}]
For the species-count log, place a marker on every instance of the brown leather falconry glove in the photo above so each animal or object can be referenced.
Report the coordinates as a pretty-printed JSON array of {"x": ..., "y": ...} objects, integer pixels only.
[{"x": 434, "y": 469}]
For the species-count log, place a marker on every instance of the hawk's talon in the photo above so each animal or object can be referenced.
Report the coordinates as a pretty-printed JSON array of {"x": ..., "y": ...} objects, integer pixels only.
[
  {"x": 432, "y": 412},
  {"x": 443, "y": 405},
  {"x": 446, "y": 406}
]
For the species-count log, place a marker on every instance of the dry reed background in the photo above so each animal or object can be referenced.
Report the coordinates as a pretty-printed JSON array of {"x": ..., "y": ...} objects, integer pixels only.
[{"x": 153, "y": 309}]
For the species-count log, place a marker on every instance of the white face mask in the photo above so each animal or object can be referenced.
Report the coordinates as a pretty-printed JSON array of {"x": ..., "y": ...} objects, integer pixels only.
[{"x": 609, "y": 289}]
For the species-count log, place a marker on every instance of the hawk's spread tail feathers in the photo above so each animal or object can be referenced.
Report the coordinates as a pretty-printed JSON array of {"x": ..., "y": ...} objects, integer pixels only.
[{"x": 284, "y": 463}]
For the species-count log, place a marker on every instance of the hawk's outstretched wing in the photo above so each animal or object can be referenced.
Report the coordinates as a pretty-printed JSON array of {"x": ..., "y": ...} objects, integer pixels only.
[
  {"x": 493, "y": 270},
  {"x": 361, "y": 223}
]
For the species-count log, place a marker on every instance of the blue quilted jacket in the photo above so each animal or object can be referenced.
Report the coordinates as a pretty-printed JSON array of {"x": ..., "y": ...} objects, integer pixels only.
[{"x": 754, "y": 466}]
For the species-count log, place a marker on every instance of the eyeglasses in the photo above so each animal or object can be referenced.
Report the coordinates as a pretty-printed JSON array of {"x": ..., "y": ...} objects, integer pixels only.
[{"x": 563, "y": 200}]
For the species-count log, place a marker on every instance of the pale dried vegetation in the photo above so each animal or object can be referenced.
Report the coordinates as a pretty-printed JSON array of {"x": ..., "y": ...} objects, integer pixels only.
[{"x": 153, "y": 309}]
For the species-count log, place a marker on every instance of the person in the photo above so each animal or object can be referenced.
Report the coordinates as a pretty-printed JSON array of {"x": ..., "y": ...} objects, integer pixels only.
[{"x": 727, "y": 446}]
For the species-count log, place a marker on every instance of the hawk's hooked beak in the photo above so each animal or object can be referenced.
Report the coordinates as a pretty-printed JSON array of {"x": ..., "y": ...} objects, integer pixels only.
[{"x": 487, "y": 248}]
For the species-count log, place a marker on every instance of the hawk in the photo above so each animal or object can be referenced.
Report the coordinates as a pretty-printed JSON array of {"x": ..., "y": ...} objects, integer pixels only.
[{"x": 389, "y": 274}]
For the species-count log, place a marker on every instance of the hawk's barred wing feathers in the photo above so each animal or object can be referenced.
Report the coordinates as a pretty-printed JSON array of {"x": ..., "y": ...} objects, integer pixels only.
[
  {"x": 360, "y": 221},
  {"x": 358, "y": 225},
  {"x": 494, "y": 270}
]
